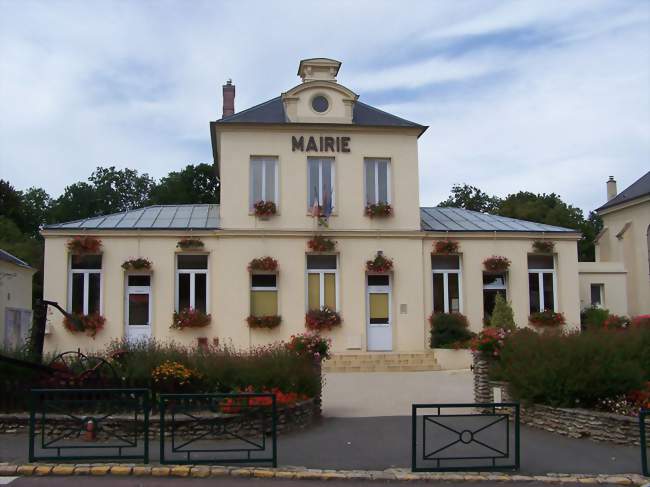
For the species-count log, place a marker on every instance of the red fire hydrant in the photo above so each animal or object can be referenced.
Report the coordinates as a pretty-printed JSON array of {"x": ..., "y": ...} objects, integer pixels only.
[{"x": 90, "y": 433}]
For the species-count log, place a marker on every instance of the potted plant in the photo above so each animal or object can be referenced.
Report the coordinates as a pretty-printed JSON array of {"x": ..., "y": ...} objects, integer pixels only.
[
  {"x": 446, "y": 246},
  {"x": 265, "y": 209},
  {"x": 265, "y": 264},
  {"x": 322, "y": 319},
  {"x": 190, "y": 244},
  {"x": 269, "y": 321},
  {"x": 381, "y": 209},
  {"x": 379, "y": 264},
  {"x": 496, "y": 263},
  {"x": 318, "y": 243},
  {"x": 137, "y": 264},
  {"x": 84, "y": 244},
  {"x": 543, "y": 246},
  {"x": 190, "y": 318},
  {"x": 490, "y": 341},
  {"x": 546, "y": 319},
  {"x": 90, "y": 324}
]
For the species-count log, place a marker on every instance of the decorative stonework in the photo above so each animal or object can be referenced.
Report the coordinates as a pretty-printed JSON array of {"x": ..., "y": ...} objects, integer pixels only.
[{"x": 482, "y": 388}]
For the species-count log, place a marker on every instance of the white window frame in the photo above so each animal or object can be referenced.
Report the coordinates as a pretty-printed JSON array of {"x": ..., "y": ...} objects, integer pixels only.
[
  {"x": 264, "y": 160},
  {"x": 374, "y": 161},
  {"x": 137, "y": 290},
  {"x": 86, "y": 273},
  {"x": 321, "y": 283},
  {"x": 380, "y": 290},
  {"x": 445, "y": 284},
  {"x": 540, "y": 276},
  {"x": 319, "y": 187},
  {"x": 192, "y": 273},
  {"x": 601, "y": 291}
]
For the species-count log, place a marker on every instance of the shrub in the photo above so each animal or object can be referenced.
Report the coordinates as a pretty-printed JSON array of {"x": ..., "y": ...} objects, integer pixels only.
[
  {"x": 311, "y": 345},
  {"x": 173, "y": 377},
  {"x": 190, "y": 318},
  {"x": 496, "y": 263},
  {"x": 270, "y": 321},
  {"x": 378, "y": 210},
  {"x": 574, "y": 369},
  {"x": 322, "y": 319},
  {"x": 547, "y": 319},
  {"x": 641, "y": 321},
  {"x": 594, "y": 317},
  {"x": 616, "y": 322},
  {"x": 502, "y": 314},
  {"x": 449, "y": 330}
]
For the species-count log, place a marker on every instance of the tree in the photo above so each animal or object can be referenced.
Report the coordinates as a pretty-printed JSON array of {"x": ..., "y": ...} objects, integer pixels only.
[
  {"x": 541, "y": 208},
  {"x": 11, "y": 203},
  {"x": 590, "y": 228},
  {"x": 502, "y": 315},
  {"x": 36, "y": 206},
  {"x": 471, "y": 198},
  {"x": 194, "y": 184}
]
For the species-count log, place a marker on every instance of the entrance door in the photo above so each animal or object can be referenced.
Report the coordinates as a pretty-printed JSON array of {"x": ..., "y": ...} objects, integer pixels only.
[
  {"x": 378, "y": 304},
  {"x": 138, "y": 307}
]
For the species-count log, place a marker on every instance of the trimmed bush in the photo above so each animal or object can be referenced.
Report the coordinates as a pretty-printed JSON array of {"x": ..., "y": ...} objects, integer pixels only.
[
  {"x": 502, "y": 314},
  {"x": 449, "y": 330},
  {"x": 594, "y": 317}
]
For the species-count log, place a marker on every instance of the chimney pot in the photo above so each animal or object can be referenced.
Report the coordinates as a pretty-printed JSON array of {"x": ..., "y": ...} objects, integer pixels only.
[
  {"x": 228, "y": 99},
  {"x": 611, "y": 188}
]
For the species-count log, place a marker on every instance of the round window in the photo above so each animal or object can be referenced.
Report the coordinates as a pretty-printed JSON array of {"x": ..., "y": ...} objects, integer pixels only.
[{"x": 320, "y": 104}]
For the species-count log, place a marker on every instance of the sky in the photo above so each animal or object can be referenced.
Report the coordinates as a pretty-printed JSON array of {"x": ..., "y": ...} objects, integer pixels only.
[{"x": 518, "y": 95}]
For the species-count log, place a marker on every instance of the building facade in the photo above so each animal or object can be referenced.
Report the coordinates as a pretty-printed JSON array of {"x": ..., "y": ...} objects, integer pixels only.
[
  {"x": 313, "y": 162},
  {"x": 15, "y": 301}
]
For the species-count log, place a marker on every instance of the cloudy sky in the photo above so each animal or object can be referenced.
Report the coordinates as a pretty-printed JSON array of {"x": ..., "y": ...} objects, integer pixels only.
[{"x": 518, "y": 95}]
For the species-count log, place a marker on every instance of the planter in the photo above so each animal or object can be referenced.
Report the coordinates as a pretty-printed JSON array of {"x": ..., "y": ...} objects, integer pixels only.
[
  {"x": 380, "y": 264},
  {"x": 190, "y": 244},
  {"x": 271, "y": 321},
  {"x": 264, "y": 264},
  {"x": 318, "y": 243},
  {"x": 265, "y": 209},
  {"x": 378, "y": 210},
  {"x": 322, "y": 319},
  {"x": 84, "y": 245},
  {"x": 88, "y": 324},
  {"x": 496, "y": 263},
  {"x": 547, "y": 320},
  {"x": 190, "y": 318},
  {"x": 451, "y": 359},
  {"x": 138, "y": 264},
  {"x": 543, "y": 246},
  {"x": 446, "y": 246}
]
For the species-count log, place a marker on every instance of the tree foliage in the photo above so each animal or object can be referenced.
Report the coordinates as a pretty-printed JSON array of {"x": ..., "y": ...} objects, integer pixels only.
[
  {"x": 471, "y": 198},
  {"x": 192, "y": 185}
]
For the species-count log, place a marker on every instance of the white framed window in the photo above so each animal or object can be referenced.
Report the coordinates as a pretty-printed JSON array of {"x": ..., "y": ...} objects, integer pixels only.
[
  {"x": 320, "y": 182},
  {"x": 264, "y": 294},
  {"x": 493, "y": 284},
  {"x": 322, "y": 281},
  {"x": 263, "y": 180},
  {"x": 85, "y": 284},
  {"x": 192, "y": 286},
  {"x": 541, "y": 283},
  {"x": 597, "y": 292},
  {"x": 377, "y": 180},
  {"x": 447, "y": 296},
  {"x": 138, "y": 300}
]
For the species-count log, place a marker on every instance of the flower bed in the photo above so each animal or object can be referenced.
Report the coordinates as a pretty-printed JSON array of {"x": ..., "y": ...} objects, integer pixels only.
[
  {"x": 89, "y": 324},
  {"x": 446, "y": 246},
  {"x": 266, "y": 264},
  {"x": 137, "y": 264},
  {"x": 379, "y": 264},
  {"x": 270, "y": 321},
  {"x": 190, "y": 318},
  {"x": 496, "y": 263},
  {"x": 190, "y": 244},
  {"x": 322, "y": 319},
  {"x": 265, "y": 209},
  {"x": 318, "y": 243},
  {"x": 378, "y": 210},
  {"x": 84, "y": 245}
]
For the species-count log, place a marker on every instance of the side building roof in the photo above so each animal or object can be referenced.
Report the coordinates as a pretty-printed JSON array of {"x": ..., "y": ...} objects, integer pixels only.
[
  {"x": 12, "y": 259},
  {"x": 639, "y": 188}
]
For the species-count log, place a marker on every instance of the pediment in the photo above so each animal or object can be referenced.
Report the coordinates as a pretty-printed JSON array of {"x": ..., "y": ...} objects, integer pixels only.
[{"x": 304, "y": 103}]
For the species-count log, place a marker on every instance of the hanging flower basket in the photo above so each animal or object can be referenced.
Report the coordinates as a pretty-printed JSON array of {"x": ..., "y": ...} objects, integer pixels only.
[
  {"x": 318, "y": 243},
  {"x": 378, "y": 210},
  {"x": 265, "y": 208},
  {"x": 266, "y": 264},
  {"x": 543, "y": 246},
  {"x": 190, "y": 244},
  {"x": 547, "y": 319},
  {"x": 88, "y": 324},
  {"x": 496, "y": 263},
  {"x": 379, "y": 264},
  {"x": 269, "y": 321},
  {"x": 84, "y": 245},
  {"x": 138, "y": 264},
  {"x": 190, "y": 318},
  {"x": 446, "y": 246},
  {"x": 322, "y": 319}
]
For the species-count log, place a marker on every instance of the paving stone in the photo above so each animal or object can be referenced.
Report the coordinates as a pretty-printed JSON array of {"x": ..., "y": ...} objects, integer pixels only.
[
  {"x": 619, "y": 480},
  {"x": 241, "y": 472},
  {"x": 310, "y": 475},
  {"x": 25, "y": 469},
  {"x": 521, "y": 478},
  {"x": 160, "y": 471},
  {"x": 264, "y": 473},
  {"x": 7, "y": 470},
  {"x": 43, "y": 470},
  {"x": 81, "y": 470},
  {"x": 588, "y": 480},
  {"x": 474, "y": 478},
  {"x": 544, "y": 478},
  {"x": 333, "y": 475},
  {"x": 121, "y": 470},
  {"x": 200, "y": 472},
  {"x": 180, "y": 471},
  {"x": 100, "y": 470},
  {"x": 383, "y": 476},
  {"x": 219, "y": 471},
  {"x": 141, "y": 470}
]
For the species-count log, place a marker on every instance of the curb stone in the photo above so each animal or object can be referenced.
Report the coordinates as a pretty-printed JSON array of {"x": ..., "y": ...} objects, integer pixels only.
[{"x": 301, "y": 473}]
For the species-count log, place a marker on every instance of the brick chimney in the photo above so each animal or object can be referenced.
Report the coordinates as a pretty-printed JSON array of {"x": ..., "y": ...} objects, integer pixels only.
[
  {"x": 228, "y": 99},
  {"x": 611, "y": 188}
]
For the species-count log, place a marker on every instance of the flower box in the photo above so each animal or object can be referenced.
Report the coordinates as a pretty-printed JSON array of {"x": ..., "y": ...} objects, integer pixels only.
[
  {"x": 270, "y": 321},
  {"x": 84, "y": 245},
  {"x": 378, "y": 210},
  {"x": 322, "y": 319},
  {"x": 379, "y": 264},
  {"x": 137, "y": 264},
  {"x": 490, "y": 341},
  {"x": 446, "y": 246},
  {"x": 190, "y": 244},
  {"x": 546, "y": 319},
  {"x": 496, "y": 263},
  {"x": 543, "y": 246},
  {"x": 265, "y": 209},
  {"x": 190, "y": 318},
  {"x": 318, "y": 243},
  {"x": 266, "y": 264},
  {"x": 89, "y": 324}
]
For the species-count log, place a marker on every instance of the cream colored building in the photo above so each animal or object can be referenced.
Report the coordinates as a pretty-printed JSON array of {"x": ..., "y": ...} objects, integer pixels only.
[
  {"x": 315, "y": 148},
  {"x": 15, "y": 301},
  {"x": 619, "y": 280}
]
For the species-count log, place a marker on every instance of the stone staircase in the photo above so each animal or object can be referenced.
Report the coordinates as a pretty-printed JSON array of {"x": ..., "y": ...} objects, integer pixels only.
[{"x": 381, "y": 362}]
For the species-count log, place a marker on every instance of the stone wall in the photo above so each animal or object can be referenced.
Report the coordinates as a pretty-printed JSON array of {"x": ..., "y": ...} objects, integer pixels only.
[{"x": 482, "y": 388}]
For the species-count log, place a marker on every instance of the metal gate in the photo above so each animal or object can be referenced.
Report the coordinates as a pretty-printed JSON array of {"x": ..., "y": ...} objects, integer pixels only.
[
  {"x": 465, "y": 437},
  {"x": 89, "y": 424},
  {"x": 218, "y": 428}
]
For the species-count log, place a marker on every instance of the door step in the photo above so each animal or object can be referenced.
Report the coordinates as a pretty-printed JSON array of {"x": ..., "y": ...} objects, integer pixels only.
[{"x": 381, "y": 362}]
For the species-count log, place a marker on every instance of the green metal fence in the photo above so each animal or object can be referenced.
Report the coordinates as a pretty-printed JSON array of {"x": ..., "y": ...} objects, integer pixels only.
[
  {"x": 218, "y": 428},
  {"x": 644, "y": 414},
  {"x": 89, "y": 424},
  {"x": 465, "y": 437}
]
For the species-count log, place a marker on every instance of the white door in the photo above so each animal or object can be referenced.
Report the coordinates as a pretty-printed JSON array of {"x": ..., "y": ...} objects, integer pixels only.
[
  {"x": 138, "y": 307},
  {"x": 17, "y": 324},
  {"x": 378, "y": 305}
]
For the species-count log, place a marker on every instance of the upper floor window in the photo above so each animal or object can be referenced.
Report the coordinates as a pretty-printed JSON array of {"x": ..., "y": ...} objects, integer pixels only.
[
  {"x": 321, "y": 281},
  {"x": 192, "y": 282},
  {"x": 264, "y": 295},
  {"x": 84, "y": 295},
  {"x": 446, "y": 283},
  {"x": 263, "y": 180},
  {"x": 377, "y": 177},
  {"x": 541, "y": 283},
  {"x": 321, "y": 183}
]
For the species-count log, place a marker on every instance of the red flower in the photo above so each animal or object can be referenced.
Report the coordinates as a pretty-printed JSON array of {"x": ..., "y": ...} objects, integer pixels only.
[
  {"x": 379, "y": 264},
  {"x": 265, "y": 208},
  {"x": 496, "y": 263},
  {"x": 324, "y": 318},
  {"x": 90, "y": 324},
  {"x": 268, "y": 264},
  {"x": 190, "y": 318},
  {"x": 446, "y": 246},
  {"x": 378, "y": 210},
  {"x": 84, "y": 245},
  {"x": 270, "y": 321}
]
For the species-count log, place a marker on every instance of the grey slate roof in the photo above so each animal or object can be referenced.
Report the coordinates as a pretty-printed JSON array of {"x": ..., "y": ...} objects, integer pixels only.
[
  {"x": 639, "y": 188},
  {"x": 161, "y": 217},
  {"x": 460, "y": 220},
  {"x": 272, "y": 111},
  {"x": 12, "y": 259}
]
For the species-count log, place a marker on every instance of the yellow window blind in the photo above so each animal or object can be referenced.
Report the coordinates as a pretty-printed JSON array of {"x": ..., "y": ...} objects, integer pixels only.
[
  {"x": 313, "y": 291},
  {"x": 330, "y": 291},
  {"x": 378, "y": 306},
  {"x": 264, "y": 303}
]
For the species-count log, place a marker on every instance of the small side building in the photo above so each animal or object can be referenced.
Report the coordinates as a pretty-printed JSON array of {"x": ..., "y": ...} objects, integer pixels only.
[{"x": 15, "y": 300}]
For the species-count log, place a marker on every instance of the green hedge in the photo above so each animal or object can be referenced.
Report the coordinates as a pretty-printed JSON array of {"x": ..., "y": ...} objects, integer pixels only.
[
  {"x": 574, "y": 370},
  {"x": 449, "y": 330}
]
